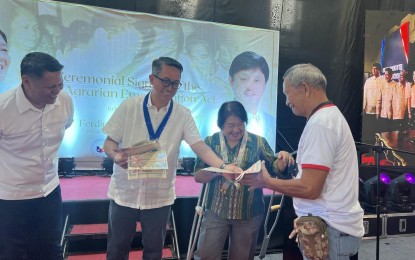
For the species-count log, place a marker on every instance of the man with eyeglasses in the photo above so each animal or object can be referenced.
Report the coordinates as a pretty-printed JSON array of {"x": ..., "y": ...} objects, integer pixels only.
[{"x": 154, "y": 116}]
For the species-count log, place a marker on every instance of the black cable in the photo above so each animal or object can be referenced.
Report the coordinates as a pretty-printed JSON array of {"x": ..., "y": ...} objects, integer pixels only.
[{"x": 285, "y": 140}]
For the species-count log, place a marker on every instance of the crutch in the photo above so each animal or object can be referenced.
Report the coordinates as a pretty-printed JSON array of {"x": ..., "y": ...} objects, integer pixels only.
[
  {"x": 292, "y": 170},
  {"x": 267, "y": 236},
  {"x": 197, "y": 218}
]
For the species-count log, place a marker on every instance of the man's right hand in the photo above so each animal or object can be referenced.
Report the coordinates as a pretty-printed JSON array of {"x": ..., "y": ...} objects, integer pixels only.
[
  {"x": 294, "y": 232},
  {"x": 121, "y": 159}
]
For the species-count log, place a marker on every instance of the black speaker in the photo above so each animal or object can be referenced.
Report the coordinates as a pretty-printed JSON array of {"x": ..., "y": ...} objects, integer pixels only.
[
  {"x": 107, "y": 165},
  {"x": 188, "y": 164},
  {"x": 66, "y": 165}
]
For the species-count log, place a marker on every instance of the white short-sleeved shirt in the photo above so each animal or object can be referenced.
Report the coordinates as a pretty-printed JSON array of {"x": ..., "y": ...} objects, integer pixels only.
[
  {"x": 29, "y": 142},
  {"x": 127, "y": 126},
  {"x": 327, "y": 144}
]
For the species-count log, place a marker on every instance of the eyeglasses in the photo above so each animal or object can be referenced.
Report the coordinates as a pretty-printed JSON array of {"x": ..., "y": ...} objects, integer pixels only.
[{"x": 166, "y": 83}]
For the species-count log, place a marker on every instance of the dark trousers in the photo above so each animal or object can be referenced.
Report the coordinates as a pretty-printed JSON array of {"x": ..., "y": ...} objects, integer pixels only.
[
  {"x": 32, "y": 228},
  {"x": 411, "y": 122},
  {"x": 369, "y": 128},
  {"x": 121, "y": 229},
  {"x": 398, "y": 124},
  {"x": 385, "y": 125}
]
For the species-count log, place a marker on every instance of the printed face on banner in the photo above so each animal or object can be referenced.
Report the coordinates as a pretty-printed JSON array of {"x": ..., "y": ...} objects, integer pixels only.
[
  {"x": 25, "y": 32},
  {"x": 248, "y": 87},
  {"x": 107, "y": 56},
  {"x": 4, "y": 58}
]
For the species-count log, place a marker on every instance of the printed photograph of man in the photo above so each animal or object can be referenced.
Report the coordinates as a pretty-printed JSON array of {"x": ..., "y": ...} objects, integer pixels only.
[{"x": 248, "y": 77}]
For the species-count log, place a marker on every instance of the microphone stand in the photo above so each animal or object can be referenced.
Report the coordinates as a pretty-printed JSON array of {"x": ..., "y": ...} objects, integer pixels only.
[{"x": 378, "y": 150}]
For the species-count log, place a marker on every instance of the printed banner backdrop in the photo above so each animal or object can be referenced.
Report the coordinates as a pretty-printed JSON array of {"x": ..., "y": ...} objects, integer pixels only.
[
  {"x": 389, "y": 108},
  {"x": 107, "y": 56}
]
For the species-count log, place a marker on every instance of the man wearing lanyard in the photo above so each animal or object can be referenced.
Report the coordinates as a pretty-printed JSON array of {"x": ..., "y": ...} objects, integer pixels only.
[
  {"x": 154, "y": 116},
  {"x": 327, "y": 183}
]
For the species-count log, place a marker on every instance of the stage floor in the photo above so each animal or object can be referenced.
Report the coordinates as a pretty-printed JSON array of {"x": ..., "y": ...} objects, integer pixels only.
[
  {"x": 96, "y": 187},
  {"x": 86, "y": 202}
]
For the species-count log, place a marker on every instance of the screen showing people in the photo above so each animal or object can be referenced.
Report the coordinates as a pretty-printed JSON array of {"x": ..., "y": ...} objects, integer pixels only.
[{"x": 388, "y": 90}]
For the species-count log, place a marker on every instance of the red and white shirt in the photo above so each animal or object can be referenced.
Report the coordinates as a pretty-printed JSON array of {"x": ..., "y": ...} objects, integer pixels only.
[{"x": 327, "y": 144}]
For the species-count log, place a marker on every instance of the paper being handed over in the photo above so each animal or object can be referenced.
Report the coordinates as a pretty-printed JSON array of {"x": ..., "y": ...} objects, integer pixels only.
[
  {"x": 256, "y": 167},
  {"x": 146, "y": 160},
  {"x": 140, "y": 147}
]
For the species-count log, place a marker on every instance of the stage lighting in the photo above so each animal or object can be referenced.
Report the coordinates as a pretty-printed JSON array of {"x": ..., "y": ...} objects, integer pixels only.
[
  {"x": 402, "y": 192},
  {"x": 66, "y": 166},
  {"x": 371, "y": 193},
  {"x": 107, "y": 165}
]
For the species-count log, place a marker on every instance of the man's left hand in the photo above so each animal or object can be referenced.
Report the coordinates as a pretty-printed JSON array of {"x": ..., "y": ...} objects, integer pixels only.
[{"x": 284, "y": 160}]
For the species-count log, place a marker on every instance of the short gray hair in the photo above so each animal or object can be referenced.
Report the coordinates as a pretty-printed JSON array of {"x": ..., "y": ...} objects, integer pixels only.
[{"x": 305, "y": 73}]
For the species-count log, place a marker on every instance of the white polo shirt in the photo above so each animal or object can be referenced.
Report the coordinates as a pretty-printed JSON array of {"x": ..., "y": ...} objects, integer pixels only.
[
  {"x": 127, "y": 126},
  {"x": 29, "y": 142},
  {"x": 327, "y": 143}
]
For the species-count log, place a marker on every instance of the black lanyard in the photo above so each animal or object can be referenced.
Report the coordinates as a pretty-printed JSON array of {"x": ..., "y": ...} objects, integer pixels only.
[
  {"x": 320, "y": 106},
  {"x": 156, "y": 135}
]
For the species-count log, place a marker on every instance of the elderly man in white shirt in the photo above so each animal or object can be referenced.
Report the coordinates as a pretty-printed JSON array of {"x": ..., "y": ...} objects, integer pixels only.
[{"x": 327, "y": 183}]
